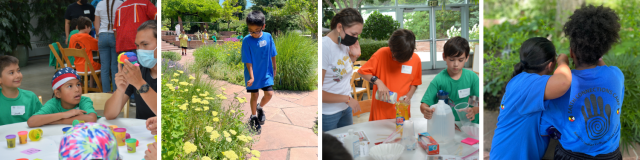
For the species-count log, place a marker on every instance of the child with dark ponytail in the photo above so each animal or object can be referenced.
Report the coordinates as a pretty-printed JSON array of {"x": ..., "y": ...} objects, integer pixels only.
[{"x": 526, "y": 97}]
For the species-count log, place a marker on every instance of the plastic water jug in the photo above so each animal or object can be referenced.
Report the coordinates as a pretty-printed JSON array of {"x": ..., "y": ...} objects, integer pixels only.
[{"x": 441, "y": 125}]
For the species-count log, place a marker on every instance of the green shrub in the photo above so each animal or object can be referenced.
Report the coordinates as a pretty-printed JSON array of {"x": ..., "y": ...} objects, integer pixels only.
[
  {"x": 630, "y": 67},
  {"x": 368, "y": 47},
  {"x": 173, "y": 56},
  {"x": 297, "y": 62},
  {"x": 186, "y": 118},
  {"x": 379, "y": 26}
]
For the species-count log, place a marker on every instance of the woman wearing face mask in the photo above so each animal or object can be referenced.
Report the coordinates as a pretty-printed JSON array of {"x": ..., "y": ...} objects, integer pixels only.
[
  {"x": 75, "y": 10},
  {"x": 340, "y": 48},
  {"x": 140, "y": 81}
]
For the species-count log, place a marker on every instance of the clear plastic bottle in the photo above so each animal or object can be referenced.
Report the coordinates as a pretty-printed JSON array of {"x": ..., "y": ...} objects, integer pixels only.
[
  {"x": 441, "y": 125},
  {"x": 409, "y": 136},
  {"x": 350, "y": 142}
]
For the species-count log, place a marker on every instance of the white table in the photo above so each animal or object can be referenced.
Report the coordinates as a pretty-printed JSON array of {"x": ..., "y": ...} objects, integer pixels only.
[
  {"x": 379, "y": 130},
  {"x": 52, "y": 135}
]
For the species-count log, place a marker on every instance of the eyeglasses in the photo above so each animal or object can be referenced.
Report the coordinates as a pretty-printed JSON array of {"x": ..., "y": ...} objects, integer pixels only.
[{"x": 256, "y": 32}]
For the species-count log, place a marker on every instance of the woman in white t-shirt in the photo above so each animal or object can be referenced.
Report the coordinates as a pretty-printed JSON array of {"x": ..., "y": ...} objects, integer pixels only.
[
  {"x": 105, "y": 15},
  {"x": 340, "y": 48}
]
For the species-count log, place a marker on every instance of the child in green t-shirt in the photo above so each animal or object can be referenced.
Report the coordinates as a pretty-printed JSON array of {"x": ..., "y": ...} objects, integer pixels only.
[
  {"x": 68, "y": 104},
  {"x": 16, "y": 105},
  {"x": 460, "y": 83}
]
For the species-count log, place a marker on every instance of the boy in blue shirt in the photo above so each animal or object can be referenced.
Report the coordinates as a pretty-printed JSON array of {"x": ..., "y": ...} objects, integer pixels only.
[
  {"x": 259, "y": 55},
  {"x": 588, "y": 115},
  {"x": 16, "y": 105}
]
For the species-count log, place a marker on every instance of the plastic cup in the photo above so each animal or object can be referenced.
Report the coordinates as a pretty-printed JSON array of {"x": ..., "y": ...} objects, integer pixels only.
[
  {"x": 120, "y": 135},
  {"x": 75, "y": 122},
  {"x": 461, "y": 109},
  {"x": 11, "y": 141},
  {"x": 35, "y": 134},
  {"x": 131, "y": 145},
  {"x": 65, "y": 129},
  {"x": 23, "y": 137},
  {"x": 112, "y": 127},
  {"x": 155, "y": 137}
]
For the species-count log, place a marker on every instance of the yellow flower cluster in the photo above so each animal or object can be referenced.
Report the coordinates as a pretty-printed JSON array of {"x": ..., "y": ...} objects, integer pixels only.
[
  {"x": 256, "y": 153},
  {"x": 242, "y": 100},
  {"x": 198, "y": 109},
  {"x": 214, "y": 135},
  {"x": 214, "y": 113},
  {"x": 183, "y": 83},
  {"x": 221, "y": 96},
  {"x": 226, "y": 134},
  {"x": 215, "y": 119},
  {"x": 209, "y": 128},
  {"x": 206, "y": 108},
  {"x": 222, "y": 88},
  {"x": 233, "y": 132},
  {"x": 230, "y": 154},
  {"x": 180, "y": 71},
  {"x": 175, "y": 80},
  {"x": 183, "y": 106},
  {"x": 189, "y": 147},
  {"x": 228, "y": 139},
  {"x": 191, "y": 77},
  {"x": 205, "y": 158},
  {"x": 176, "y": 74},
  {"x": 244, "y": 138},
  {"x": 246, "y": 149}
]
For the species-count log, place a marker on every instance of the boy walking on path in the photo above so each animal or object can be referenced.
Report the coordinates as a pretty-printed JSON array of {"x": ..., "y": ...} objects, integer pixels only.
[{"x": 259, "y": 56}]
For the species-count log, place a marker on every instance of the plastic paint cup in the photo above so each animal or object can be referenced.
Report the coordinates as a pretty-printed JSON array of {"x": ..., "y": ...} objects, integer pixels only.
[
  {"x": 23, "y": 137},
  {"x": 131, "y": 145},
  {"x": 35, "y": 134},
  {"x": 127, "y": 136},
  {"x": 155, "y": 137},
  {"x": 65, "y": 129},
  {"x": 11, "y": 141},
  {"x": 75, "y": 122},
  {"x": 120, "y": 135},
  {"x": 112, "y": 127}
]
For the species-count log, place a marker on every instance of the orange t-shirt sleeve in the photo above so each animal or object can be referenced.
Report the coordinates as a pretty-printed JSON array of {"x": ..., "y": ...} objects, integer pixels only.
[
  {"x": 116, "y": 20},
  {"x": 369, "y": 68},
  {"x": 417, "y": 71}
]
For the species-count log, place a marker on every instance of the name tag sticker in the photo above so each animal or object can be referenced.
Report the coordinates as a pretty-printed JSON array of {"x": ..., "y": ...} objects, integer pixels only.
[
  {"x": 464, "y": 92},
  {"x": 17, "y": 110},
  {"x": 406, "y": 69},
  {"x": 87, "y": 12}
]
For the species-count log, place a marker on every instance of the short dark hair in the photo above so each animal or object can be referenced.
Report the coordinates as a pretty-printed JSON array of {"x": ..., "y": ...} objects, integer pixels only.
[
  {"x": 150, "y": 24},
  {"x": 255, "y": 18},
  {"x": 333, "y": 149},
  {"x": 592, "y": 31},
  {"x": 456, "y": 46},
  {"x": 73, "y": 24},
  {"x": 402, "y": 44},
  {"x": 347, "y": 17},
  {"x": 5, "y": 61},
  {"x": 84, "y": 22}
]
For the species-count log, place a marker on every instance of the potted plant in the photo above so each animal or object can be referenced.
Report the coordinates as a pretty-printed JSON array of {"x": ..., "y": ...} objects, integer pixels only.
[{"x": 14, "y": 29}]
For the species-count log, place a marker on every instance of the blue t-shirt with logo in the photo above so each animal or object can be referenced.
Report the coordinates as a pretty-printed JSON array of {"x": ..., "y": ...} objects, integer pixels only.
[
  {"x": 588, "y": 115},
  {"x": 517, "y": 135},
  {"x": 258, "y": 52}
]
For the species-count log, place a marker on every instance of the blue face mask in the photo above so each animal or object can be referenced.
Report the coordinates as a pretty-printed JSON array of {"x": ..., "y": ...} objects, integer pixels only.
[{"x": 145, "y": 58}]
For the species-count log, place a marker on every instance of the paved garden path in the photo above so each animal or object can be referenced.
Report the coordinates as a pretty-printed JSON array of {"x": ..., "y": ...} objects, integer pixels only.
[{"x": 288, "y": 132}]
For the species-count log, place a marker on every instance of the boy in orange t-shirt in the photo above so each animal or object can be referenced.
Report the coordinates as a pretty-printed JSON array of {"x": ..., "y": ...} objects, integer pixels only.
[
  {"x": 82, "y": 40},
  {"x": 395, "y": 68}
]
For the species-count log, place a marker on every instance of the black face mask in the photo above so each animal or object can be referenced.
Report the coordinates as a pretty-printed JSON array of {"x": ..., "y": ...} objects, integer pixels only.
[{"x": 348, "y": 39}]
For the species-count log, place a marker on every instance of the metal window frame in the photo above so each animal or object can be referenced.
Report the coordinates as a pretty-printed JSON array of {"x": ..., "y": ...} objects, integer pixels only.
[{"x": 464, "y": 20}]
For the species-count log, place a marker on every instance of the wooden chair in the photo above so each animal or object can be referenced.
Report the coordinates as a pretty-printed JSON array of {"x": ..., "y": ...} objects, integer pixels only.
[
  {"x": 60, "y": 63},
  {"x": 65, "y": 58},
  {"x": 365, "y": 106},
  {"x": 79, "y": 53},
  {"x": 359, "y": 90},
  {"x": 100, "y": 99}
]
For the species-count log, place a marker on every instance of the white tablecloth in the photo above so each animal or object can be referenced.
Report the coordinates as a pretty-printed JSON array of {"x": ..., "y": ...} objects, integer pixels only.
[
  {"x": 379, "y": 130},
  {"x": 52, "y": 134}
]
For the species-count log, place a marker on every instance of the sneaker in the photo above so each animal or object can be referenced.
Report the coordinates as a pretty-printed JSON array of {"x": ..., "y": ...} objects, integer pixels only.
[
  {"x": 255, "y": 125},
  {"x": 261, "y": 116}
]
